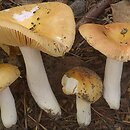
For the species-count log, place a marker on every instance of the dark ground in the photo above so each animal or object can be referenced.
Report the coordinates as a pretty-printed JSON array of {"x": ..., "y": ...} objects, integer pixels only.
[{"x": 31, "y": 117}]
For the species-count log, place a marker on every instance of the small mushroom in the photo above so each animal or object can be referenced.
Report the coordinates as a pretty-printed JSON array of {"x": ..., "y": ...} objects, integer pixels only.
[
  {"x": 48, "y": 27},
  {"x": 113, "y": 40},
  {"x": 87, "y": 86},
  {"x": 8, "y": 74}
]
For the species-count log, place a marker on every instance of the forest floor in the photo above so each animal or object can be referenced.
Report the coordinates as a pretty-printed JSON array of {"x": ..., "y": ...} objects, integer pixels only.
[{"x": 31, "y": 117}]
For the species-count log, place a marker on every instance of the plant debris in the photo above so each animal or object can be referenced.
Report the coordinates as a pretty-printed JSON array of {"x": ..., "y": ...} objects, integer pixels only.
[{"x": 31, "y": 117}]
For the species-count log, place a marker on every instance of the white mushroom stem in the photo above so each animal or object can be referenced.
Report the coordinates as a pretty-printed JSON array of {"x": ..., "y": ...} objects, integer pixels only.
[
  {"x": 8, "y": 109},
  {"x": 83, "y": 112},
  {"x": 112, "y": 78},
  {"x": 38, "y": 81},
  {"x": 83, "y": 107}
]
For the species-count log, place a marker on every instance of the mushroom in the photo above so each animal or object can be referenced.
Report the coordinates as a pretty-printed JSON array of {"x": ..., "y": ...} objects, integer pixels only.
[
  {"x": 8, "y": 74},
  {"x": 48, "y": 27},
  {"x": 113, "y": 40},
  {"x": 87, "y": 86}
]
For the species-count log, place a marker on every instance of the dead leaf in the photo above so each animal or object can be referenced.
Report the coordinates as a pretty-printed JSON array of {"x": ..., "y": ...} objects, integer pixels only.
[{"x": 121, "y": 11}]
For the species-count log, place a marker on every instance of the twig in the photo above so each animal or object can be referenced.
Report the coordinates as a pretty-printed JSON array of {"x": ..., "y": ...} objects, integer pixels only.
[
  {"x": 101, "y": 115},
  {"x": 14, "y": 2},
  {"x": 94, "y": 12},
  {"x": 127, "y": 122},
  {"x": 62, "y": 1},
  {"x": 36, "y": 122},
  {"x": 25, "y": 112},
  {"x": 39, "y": 118}
]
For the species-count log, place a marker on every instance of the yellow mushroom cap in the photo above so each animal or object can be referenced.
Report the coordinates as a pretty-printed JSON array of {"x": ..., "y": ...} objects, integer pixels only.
[
  {"x": 89, "y": 85},
  {"x": 48, "y": 26},
  {"x": 8, "y": 74},
  {"x": 113, "y": 40}
]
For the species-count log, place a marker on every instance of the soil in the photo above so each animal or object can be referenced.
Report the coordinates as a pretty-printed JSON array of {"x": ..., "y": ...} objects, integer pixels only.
[{"x": 31, "y": 117}]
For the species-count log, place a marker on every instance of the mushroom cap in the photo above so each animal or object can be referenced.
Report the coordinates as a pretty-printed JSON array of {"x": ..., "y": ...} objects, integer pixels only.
[
  {"x": 89, "y": 85},
  {"x": 48, "y": 26},
  {"x": 113, "y": 40},
  {"x": 8, "y": 74}
]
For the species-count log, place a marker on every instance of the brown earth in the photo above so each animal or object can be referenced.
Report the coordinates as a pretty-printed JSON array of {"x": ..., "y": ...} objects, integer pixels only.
[{"x": 31, "y": 117}]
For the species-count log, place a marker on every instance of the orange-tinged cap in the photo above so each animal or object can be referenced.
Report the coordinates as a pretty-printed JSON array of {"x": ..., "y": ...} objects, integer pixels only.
[
  {"x": 113, "y": 40},
  {"x": 89, "y": 85}
]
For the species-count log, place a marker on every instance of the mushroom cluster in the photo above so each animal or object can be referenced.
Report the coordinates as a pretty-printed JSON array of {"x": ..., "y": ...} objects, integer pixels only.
[
  {"x": 48, "y": 27},
  {"x": 8, "y": 74}
]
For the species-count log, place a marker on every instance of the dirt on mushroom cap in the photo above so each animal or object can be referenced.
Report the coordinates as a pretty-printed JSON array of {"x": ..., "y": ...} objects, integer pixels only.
[
  {"x": 40, "y": 26},
  {"x": 89, "y": 85}
]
